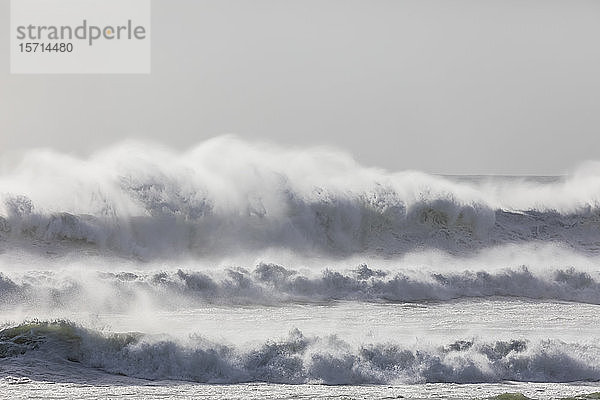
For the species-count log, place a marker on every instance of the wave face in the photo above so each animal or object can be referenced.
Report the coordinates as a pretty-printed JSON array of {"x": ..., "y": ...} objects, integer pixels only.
[
  {"x": 301, "y": 359},
  {"x": 271, "y": 284},
  {"x": 228, "y": 196}
]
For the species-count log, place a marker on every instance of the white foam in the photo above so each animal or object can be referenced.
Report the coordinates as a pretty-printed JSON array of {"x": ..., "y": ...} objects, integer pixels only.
[{"x": 227, "y": 195}]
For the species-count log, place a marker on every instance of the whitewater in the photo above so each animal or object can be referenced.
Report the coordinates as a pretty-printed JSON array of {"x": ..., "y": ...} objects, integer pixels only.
[{"x": 242, "y": 270}]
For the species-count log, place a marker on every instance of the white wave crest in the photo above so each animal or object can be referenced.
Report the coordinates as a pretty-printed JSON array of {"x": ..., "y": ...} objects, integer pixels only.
[
  {"x": 273, "y": 284},
  {"x": 303, "y": 359},
  {"x": 226, "y": 195}
]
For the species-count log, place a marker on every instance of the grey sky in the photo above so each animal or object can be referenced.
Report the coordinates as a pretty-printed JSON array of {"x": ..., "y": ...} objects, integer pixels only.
[{"x": 443, "y": 86}]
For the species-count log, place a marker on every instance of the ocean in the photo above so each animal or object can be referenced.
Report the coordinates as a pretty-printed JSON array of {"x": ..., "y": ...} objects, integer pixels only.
[{"x": 242, "y": 270}]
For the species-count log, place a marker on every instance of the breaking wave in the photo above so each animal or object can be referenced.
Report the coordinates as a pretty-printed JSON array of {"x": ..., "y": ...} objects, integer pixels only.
[
  {"x": 227, "y": 196},
  {"x": 273, "y": 284},
  {"x": 301, "y": 359}
]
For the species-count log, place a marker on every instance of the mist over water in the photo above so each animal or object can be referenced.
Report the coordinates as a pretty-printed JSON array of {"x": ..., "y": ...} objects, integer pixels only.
[
  {"x": 228, "y": 196},
  {"x": 147, "y": 263}
]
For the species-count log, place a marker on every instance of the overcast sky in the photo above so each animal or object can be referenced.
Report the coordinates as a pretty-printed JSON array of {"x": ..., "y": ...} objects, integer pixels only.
[{"x": 447, "y": 86}]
